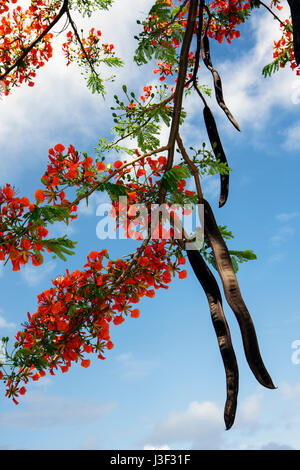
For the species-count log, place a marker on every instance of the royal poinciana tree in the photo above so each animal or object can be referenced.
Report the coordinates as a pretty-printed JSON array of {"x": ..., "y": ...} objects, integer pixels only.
[{"x": 74, "y": 315}]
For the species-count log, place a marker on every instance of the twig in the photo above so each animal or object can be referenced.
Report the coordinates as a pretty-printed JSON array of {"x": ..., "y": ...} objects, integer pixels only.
[
  {"x": 37, "y": 40},
  {"x": 96, "y": 185},
  {"x": 192, "y": 166}
]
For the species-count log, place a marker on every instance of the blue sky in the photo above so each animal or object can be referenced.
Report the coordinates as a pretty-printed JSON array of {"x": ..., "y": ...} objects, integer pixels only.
[{"x": 163, "y": 385}]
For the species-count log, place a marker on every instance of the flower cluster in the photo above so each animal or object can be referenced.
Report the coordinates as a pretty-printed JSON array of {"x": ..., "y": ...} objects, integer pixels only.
[
  {"x": 18, "y": 30},
  {"x": 284, "y": 48},
  {"x": 93, "y": 48},
  {"x": 20, "y": 242},
  {"x": 74, "y": 316},
  {"x": 67, "y": 169}
]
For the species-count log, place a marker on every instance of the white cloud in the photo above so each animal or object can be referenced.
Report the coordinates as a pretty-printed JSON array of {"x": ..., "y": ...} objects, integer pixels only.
[
  {"x": 134, "y": 368},
  {"x": 276, "y": 258},
  {"x": 44, "y": 411},
  {"x": 292, "y": 137},
  {"x": 5, "y": 324},
  {"x": 149, "y": 447},
  {"x": 276, "y": 446},
  {"x": 200, "y": 425},
  {"x": 282, "y": 235},
  {"x": 33, "y": 275},
  {"x": 290, "y": 392},
  {"x": 250, "y": 409},
  {"x": 249, "y": 95},
  {"x": 211, "y": 186},
  {"x": 287, "y": 216},
  {"x": 60, "y": 108}
]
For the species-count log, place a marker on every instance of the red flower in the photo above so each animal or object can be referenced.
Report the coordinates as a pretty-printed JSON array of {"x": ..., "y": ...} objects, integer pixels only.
[
  {"x": 39, "y": 196},
  {"x": 135, "y": 313},
  {"x": 118, "y": 164},
  {"x": 118, "y": 320},
  {"x": 101, "y": 166},
  {"x": 59, "y": 148},
  {"x": 85, "y": 362}
]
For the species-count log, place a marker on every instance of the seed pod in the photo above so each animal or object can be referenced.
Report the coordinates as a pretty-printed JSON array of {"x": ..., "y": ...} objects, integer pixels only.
[
  {"x": 219, "y": 153},
  {"x": 205, "y": 52},
  {"x": 234, "y": 297},
  {"x": 295, "y": 13},
  {"x": 212, "y": 291}
]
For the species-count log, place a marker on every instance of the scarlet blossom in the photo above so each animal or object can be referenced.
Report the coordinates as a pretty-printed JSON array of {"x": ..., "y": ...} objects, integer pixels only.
[
  {"x": 118, "y": 320},
  {"x": 135, "y": 313},
  {"x": 39, "y": 196},
  {"x": 8, "y": 192},
  {"x": 85, "y": 362},
  {"x": 101, "y": 166},
  {"x": 118, "y": 164},
  {"x": 59, "y": 148},
  {"x": 182, "y": 274}
]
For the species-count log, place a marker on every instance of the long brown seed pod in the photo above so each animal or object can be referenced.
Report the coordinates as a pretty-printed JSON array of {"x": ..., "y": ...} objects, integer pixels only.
[
  {"x": 219, "y": 153},
  {"x": 205, "y": 51},
  {"x": 212, "y": 291},
  {"x": 295, "y": 13},
  {"x": 234, "y": 297}
]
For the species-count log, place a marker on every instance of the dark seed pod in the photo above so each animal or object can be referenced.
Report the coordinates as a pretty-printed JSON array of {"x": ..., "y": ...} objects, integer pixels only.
[
  {"x": 234, "y": 297},
  {"x": 295, "y": 13},
  {"x": 212, "y": 291},
  {"x": 219, "y": 153},
  {"x": 205, "y": 52}
]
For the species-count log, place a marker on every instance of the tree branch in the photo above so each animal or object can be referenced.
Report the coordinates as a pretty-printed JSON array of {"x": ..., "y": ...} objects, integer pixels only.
[{"x": 37, "y": 40}]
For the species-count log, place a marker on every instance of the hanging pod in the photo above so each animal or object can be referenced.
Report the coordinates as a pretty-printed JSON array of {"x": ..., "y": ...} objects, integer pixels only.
[
  {"x": 212, "y": 291},
  {"x": 295, "y": 13},
  {"x": 234, "y": 297},
  {"x": 205, "y": 52},
  {"x": 219, "y": 153}
]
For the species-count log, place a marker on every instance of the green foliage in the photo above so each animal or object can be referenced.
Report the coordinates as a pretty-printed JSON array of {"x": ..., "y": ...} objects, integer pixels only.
[
  {"x": 114, "y": 190},
  {"x": 142, "y": 119},
  {"x": 60, "y": 246},
  {"x": 173, "y": 176},
  {"x": 95, "y": 84},
  {"x": 237, "y": 256},
  {"x": 41, "y": 214},
  {"x": 206, "y": 162},
  {"x": 86, "y": 7},
  {"x": 153, "y": 36}
]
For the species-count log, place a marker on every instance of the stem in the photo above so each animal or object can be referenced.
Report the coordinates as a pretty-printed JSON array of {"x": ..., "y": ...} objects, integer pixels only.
[
  {"x": 272, "y": 13},
  {"x": 37, "y": 40},
  {"x": 95, "y": 186},
  {"x": 183, "y": 63},
  {"x": 80, "y": 42},
  {"x": 192, "y": 166}
]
